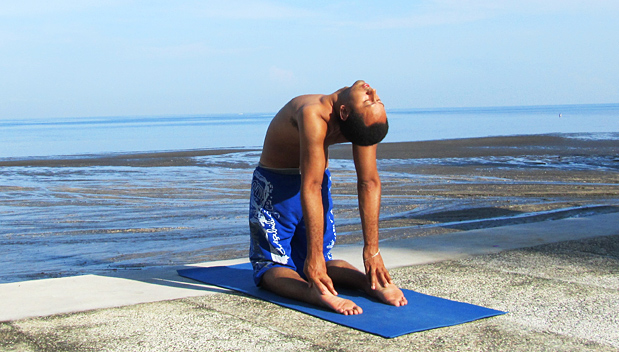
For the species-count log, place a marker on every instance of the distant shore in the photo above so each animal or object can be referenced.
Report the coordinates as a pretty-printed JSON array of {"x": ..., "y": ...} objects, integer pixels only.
[
  {"x": 555, "y": 144},
  {"x": 137, "y": 159}
]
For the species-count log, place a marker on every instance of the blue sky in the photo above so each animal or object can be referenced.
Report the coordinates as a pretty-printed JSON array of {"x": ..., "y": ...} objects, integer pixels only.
[{"x": 73, "y": 58}]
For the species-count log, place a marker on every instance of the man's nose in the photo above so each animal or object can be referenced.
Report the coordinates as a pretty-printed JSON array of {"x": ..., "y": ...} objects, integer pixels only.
[{"x": 373, "y": 94}]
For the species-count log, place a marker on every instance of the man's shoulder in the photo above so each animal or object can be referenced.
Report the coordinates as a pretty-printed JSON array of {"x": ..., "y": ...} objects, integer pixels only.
[{"x": 312, "y": 106}]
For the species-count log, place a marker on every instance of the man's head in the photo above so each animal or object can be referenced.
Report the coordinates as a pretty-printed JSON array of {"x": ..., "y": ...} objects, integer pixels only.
[{"x": 363, "y": 120}]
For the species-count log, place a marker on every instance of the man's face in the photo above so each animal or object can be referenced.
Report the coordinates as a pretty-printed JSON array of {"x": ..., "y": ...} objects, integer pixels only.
[
  {"x": 363, "y": 120},
  {"x": 365, "y": 101}
]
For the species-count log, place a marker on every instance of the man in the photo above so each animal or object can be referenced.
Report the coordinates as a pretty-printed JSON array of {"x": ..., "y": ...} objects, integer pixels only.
[{"x": 291, "y": 217}]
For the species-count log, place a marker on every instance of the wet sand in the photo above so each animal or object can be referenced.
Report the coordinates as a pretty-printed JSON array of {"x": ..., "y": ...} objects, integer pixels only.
[
  {"x": 89, "y": 214},
  {"x": 451, "y": 185}
]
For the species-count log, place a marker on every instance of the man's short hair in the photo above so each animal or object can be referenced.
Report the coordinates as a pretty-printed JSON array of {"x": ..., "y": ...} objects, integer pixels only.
[{"x": 356, "y": 131}]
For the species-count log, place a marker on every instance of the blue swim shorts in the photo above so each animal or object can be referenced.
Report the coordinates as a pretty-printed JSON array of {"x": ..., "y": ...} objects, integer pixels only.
[{"x": 277, "y": 229}]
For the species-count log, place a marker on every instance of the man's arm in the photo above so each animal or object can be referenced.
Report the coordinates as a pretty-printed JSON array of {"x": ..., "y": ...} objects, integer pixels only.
[
  {"x": 312, "y": 134},
  {"x": 369, "y": 193}
]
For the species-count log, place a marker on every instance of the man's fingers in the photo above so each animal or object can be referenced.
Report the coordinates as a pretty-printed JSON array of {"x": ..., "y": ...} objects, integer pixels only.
[
  {"x": 331, "y": 288},
  {"x": 370, "y": 273},
  {"x": 381, "y": 280},
  {"x": 316, "y": 273},
  {"x": 385, "y": 278},
  {"x": 373, "y": 279},
  {"x": 376, "y": 272},
  {"x": 378, "y": 278},
  {"x": 328, "y": 286},
  {"x": 324, "y": 286}
]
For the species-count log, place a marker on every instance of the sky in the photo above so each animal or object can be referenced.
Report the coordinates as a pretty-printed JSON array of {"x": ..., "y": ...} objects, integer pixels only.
[{"x": 83, "y": 58}]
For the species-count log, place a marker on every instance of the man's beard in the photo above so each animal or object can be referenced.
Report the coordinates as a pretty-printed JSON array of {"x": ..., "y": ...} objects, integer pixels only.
[{"x": 355, "y": 130}]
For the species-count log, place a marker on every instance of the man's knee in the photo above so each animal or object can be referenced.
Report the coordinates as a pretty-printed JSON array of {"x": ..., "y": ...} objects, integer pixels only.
[
  {"x": 278, "y": 276},
  {"x": 277, "y": 272}
]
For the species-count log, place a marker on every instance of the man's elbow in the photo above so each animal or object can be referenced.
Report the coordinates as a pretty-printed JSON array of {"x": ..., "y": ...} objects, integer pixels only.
[
  {"x": 311, "y": 187},
  {"x": 370, "y": 185}
]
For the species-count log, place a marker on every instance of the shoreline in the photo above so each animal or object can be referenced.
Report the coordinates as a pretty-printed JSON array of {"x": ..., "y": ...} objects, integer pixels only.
[
  {"x": 560, "y": 144},
  {"x": 134, "y": 211},
  {"x": 147, "y": 158},
  {"x": 540, "y": 144}
]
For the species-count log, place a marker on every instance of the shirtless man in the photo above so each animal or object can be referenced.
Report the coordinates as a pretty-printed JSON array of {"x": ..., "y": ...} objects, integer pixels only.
[{"x": 291, "y": 217}]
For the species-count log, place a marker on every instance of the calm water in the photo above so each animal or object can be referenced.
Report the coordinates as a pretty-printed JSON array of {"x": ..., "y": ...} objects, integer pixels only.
[
  {"x": 50, "y": 137},
  {"x": 59, "y": 221}
]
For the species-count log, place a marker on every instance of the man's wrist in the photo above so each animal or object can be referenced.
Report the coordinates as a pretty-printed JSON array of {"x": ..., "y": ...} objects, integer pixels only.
[
  {"x": 370, "y": 249},
  {"x": 315, "y": 256},
  {"x": 371, "y": 256}
]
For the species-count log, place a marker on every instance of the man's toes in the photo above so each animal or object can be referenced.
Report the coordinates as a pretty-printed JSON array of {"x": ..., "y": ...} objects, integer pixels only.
[{"x": 354, "y": 311}]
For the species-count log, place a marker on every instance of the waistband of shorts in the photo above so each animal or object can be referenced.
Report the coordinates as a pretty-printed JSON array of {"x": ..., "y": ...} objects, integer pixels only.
[{"x": 281, "y": 171}]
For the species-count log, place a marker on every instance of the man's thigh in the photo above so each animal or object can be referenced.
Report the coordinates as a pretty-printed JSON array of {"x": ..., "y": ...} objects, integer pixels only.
[{"x": 274, "y": 215}]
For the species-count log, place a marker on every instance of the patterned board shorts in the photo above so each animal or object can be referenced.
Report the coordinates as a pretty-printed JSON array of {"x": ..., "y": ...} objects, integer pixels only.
[{"x": 277, "y": 229}]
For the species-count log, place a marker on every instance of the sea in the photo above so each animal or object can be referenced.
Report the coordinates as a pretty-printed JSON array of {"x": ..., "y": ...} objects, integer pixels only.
[
  {"x": 52, "y": 137},
  {"x": 94, "y": 214}
]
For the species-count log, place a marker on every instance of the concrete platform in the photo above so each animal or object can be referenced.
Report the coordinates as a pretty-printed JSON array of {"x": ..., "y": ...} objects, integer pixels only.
[{"x": 559, "y": 280}]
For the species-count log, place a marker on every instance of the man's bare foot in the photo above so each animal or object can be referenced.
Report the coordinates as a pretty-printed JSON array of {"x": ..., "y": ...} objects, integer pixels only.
[
  {"x": 338, "y": 304},
  {"x": 389, "y": 294}
]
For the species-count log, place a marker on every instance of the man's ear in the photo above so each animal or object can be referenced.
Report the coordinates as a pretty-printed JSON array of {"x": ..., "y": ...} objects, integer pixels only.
[{"x": 344, "y": 112}]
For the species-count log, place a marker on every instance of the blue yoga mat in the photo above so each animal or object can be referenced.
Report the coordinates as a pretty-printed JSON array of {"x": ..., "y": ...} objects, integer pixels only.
[{"x": 423, "y": 312}]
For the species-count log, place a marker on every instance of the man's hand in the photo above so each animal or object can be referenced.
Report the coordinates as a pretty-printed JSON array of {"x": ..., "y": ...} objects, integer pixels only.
[
  {"x": 316, "y": 272},
  {"x": 376, "y": 272}
]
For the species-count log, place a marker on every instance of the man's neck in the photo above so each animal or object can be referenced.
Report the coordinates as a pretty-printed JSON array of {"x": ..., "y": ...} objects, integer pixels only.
[{"x": 334, "y": 100}]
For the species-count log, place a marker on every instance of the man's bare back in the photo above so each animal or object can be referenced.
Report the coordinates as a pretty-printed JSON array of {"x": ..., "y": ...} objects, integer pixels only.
[{"x": 281, "y": 145}]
